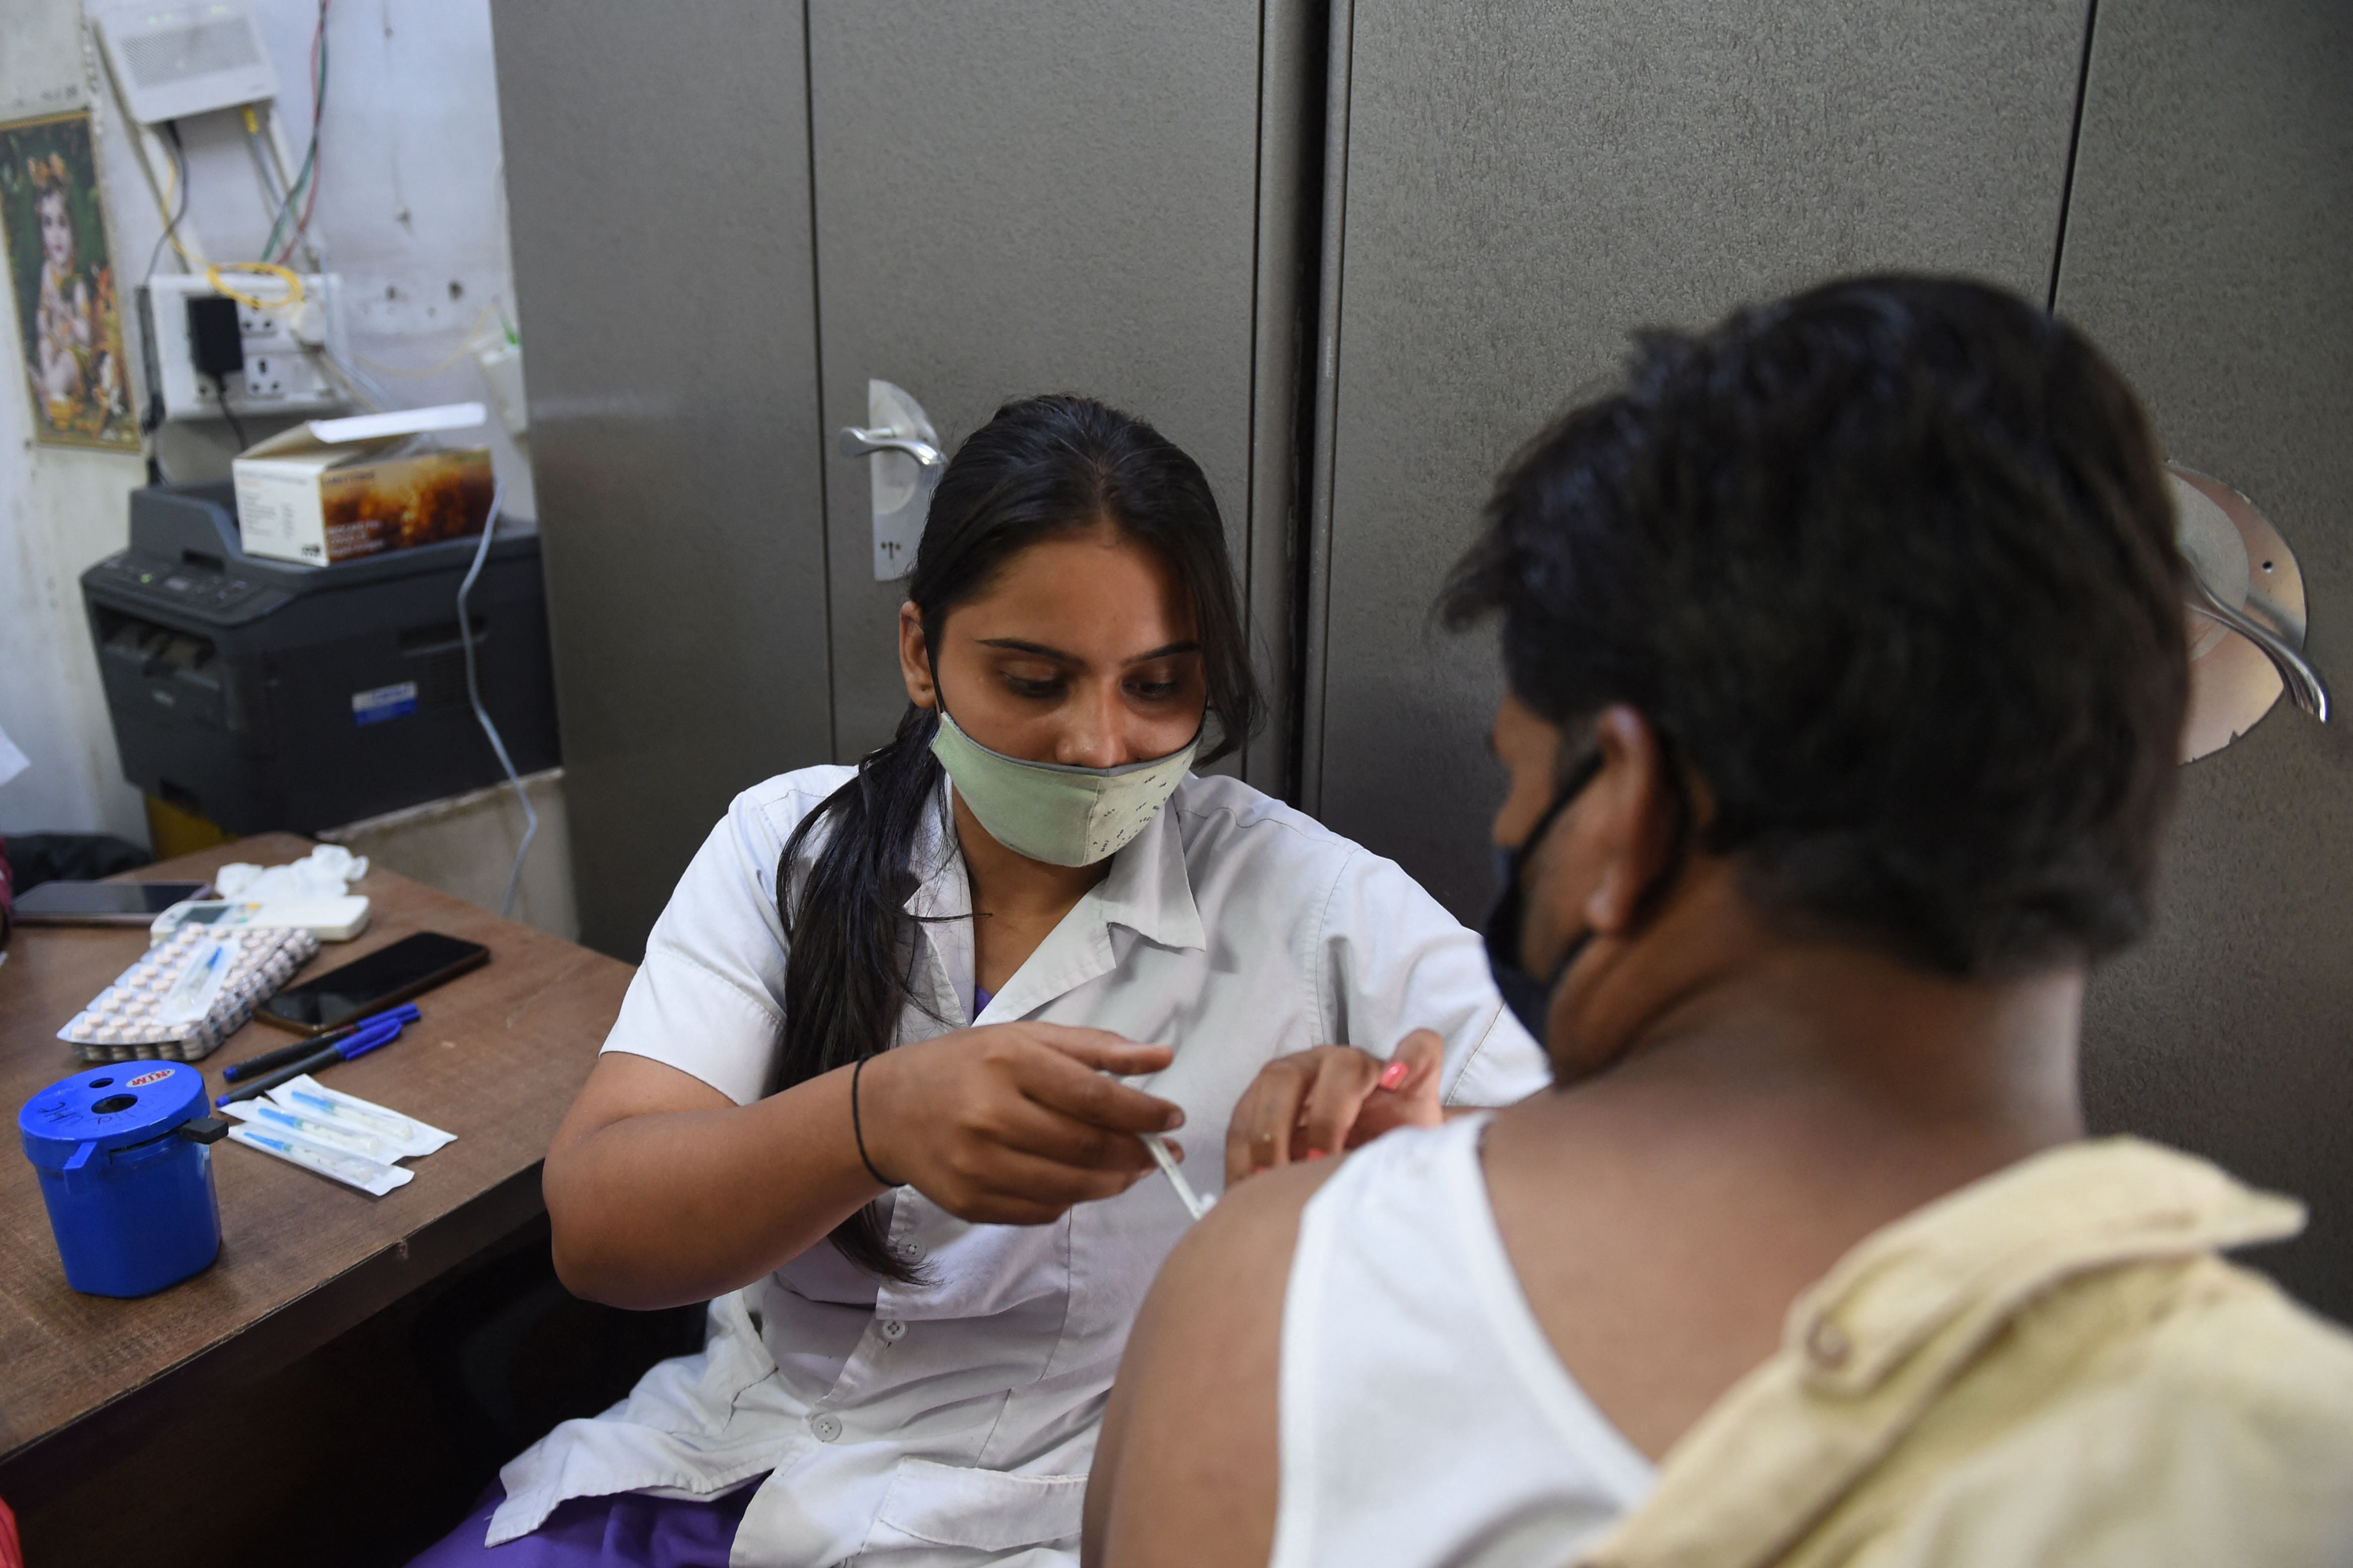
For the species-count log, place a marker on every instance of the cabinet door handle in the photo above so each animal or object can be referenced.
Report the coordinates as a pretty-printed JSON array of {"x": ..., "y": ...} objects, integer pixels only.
[
  {"x": 856, "y": 441},
  {"x": 900, "y": 492},
  {"x": 2303, "y": 682}
]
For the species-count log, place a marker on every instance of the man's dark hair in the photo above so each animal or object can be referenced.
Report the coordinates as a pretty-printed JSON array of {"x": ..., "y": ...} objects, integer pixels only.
[{"x": 1890, "y": 565}]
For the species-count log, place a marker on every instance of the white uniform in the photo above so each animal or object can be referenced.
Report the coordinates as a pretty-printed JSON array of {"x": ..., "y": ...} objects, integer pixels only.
[
  {"x": 1424, "y": 1419},
  {"x": 952, "y": 1423}
]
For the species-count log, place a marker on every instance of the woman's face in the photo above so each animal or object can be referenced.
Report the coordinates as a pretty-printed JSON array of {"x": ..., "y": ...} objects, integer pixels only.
[
  {"x": 57, "y": 230},
  {"x": 1083, "y": 652}
]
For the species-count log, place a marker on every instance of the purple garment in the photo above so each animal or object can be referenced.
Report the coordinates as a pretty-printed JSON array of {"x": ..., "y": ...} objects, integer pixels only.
[
  {"x": 981, "y": 999},
  {"x": 626, "y": 1530}
]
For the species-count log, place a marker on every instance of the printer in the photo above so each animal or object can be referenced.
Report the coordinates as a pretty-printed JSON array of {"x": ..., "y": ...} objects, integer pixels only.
[{"x": 263, "y": 694}]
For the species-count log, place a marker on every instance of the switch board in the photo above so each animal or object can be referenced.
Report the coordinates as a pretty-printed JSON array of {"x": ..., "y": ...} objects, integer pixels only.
[{"x": 282, "y": 375}]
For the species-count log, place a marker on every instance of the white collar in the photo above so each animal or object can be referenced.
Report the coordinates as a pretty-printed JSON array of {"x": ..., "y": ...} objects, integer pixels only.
[{"x": 1148, "y": 890}]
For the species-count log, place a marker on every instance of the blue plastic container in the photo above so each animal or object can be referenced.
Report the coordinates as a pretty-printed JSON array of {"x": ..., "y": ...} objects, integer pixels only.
[{"x": 126, "y": 1168}]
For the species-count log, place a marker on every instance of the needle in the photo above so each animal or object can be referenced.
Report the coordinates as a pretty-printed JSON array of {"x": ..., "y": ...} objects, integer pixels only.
[{"x": 1194, "y": 1203}]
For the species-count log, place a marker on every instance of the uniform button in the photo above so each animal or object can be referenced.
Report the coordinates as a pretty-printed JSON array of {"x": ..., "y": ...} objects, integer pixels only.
[
  {"x": 827, "y": 1427},
  {"x": 910, "y": 1250},
  {"x": 894, "y": 1330}
]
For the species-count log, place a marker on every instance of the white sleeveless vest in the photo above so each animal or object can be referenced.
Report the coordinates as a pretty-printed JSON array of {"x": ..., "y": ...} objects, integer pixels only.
[{"x": 1424, "y": 1417}]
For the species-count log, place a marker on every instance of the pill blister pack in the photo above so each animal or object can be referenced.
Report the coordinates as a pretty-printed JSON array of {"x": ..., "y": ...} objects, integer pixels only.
[{"x": 187, "y": 995}]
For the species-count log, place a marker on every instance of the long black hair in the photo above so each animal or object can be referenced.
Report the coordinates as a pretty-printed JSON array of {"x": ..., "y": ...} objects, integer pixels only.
[{"x": 1042, "y": 468}]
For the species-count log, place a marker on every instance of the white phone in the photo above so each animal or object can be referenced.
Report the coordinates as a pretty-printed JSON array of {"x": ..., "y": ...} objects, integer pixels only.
[{"x": 328, "y": 919}]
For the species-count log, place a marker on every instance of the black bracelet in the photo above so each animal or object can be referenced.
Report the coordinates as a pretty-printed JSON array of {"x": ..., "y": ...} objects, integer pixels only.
[{"x": 858, "y": 1131}]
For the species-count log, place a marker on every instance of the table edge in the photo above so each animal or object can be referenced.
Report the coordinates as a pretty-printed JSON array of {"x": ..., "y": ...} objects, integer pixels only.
[{"x": 40, "y": 1465}]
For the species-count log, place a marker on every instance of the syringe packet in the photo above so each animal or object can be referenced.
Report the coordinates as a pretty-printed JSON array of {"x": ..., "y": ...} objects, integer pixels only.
[
  {"x": 306, "y": 1096},
  {"x": 316, "y": 1128},
  {"x": 370, "y": 1176}
]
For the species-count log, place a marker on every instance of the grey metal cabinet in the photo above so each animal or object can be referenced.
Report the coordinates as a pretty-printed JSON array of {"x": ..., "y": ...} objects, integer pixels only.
[
  {"x": 1517, "y": 184},
  {"x": 729, "y": 216},
  {"x": 656, "y": 165},
  {"x": 2206, "y": 247},
  {"x": 1022, "y": 196}
]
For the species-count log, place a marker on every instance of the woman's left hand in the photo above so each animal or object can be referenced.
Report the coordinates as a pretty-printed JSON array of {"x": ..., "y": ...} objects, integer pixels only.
[{"x": 1314, "y": 1102}]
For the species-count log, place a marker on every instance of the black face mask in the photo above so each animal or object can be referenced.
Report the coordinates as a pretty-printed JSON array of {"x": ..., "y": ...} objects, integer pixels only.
[{"x": 1528, "y": 998}]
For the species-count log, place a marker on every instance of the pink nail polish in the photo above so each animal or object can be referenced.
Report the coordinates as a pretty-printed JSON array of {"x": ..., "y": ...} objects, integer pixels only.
[
  {"x": 1393, "y": 1075},
  {"x": 1315, "y": 1154}
]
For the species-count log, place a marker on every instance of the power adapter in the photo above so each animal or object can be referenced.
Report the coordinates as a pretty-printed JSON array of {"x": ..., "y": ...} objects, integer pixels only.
[
  {"x": 217, "y": 345},
  {"x": 215, "y": 341}
]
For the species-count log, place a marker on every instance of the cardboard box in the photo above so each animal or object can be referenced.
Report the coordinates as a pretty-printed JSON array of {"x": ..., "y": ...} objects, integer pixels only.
[{"x": 336, "y": 489}]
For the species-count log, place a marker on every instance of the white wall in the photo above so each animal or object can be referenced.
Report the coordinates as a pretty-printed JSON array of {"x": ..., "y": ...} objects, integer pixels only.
[{"x": 412, "y": 213}]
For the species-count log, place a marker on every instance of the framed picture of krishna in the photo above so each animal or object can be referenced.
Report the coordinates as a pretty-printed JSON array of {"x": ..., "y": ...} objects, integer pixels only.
[{"x": 69, "y": 311}]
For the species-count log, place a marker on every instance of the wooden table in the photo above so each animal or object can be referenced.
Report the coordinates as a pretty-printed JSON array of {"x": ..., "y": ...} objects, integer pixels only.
[{"x": 495, "y": 1059}]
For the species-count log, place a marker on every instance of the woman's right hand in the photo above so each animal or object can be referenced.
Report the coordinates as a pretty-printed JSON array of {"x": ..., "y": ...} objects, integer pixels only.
[{"x": 1013, "y": 1123}]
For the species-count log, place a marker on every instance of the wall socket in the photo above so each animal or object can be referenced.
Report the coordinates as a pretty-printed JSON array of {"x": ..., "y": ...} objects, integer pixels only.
[{"x": 282, "y": 371}]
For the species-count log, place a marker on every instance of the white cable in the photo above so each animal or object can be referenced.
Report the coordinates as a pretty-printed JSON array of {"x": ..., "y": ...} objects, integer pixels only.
[
  {"x": 363, "y": 389},
  {"x": 474, "y": 695}
]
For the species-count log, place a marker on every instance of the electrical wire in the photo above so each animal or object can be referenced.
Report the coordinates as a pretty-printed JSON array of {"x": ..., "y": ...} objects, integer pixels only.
[
  {"x": 171, "y": 216},
  {"x": 290, "y": 301},
  {"x": 236, "y": 426},
  {"x": 151, "y": 417},
  {"x": 464, "y": 348},
  {"x": 481, "y": 714},
  {"x": 306, "y": 181},
  {"x": 364, "y": 389},
  {"x": 317, "y": 119},
  {"x": 273, "y": 186},
  {"x": 310, "y": 200}
]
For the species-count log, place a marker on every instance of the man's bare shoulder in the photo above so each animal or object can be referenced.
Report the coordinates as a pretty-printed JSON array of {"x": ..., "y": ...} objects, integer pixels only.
[
  {"x": 1186, "y": 1471},
  {"x": 1253, "y": 1225}
]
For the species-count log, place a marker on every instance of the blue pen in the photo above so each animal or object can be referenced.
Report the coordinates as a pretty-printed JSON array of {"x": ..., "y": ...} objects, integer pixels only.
[
  {"x": 309, "y": 1047},
  {"x": 366, "y": 1040},
  {"x": 383, "y": 1031}
]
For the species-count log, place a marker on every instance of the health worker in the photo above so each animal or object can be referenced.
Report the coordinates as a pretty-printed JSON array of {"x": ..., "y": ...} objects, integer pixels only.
[{"x": 878, "y": 1089}]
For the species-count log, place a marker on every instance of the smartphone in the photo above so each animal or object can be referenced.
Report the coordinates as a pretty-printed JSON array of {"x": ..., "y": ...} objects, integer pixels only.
[
  {"x": 102, "y": 903},
  {"x": 368, "y": 985}
]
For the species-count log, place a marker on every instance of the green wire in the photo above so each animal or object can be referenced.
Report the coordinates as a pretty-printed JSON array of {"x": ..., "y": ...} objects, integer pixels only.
[{"x": 310, "y": 157}]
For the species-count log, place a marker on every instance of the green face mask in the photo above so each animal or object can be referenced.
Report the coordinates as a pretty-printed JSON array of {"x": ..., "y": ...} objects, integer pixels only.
[{"x": 1062, "y": 815}]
